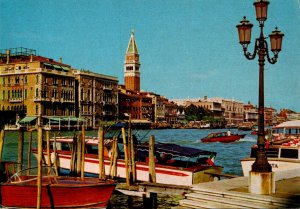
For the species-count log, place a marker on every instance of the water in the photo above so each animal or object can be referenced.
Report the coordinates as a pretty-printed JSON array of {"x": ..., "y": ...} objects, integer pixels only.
[{"x": 228, "y": 155}]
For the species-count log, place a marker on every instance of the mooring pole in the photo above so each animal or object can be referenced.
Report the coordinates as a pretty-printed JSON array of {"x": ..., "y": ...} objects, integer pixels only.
[
  {"x": 39, "y": 177},
  {"x": 152, "y": 174},
  {"x": 20, "y": 149},
  {"x": 2, "y": 135},
  {"x": 126, "y": 156},
  {"x": 101, "y": 153},
  {"x": 29, "y": 154},
  {"x": 115, "y": 150},
  {"x": 83, "y": 151}
]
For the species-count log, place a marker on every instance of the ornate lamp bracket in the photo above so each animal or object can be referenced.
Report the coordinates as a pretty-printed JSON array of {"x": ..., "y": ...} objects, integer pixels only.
[{"x": 252, "y": 56}]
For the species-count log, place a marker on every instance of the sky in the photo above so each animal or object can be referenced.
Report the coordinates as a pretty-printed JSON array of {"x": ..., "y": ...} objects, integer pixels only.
[{"x": 188, "y": 48}]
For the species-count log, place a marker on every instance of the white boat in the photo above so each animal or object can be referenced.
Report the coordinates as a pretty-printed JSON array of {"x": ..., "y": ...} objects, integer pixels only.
[
  {"x": 281, "y": 157},
  {"x": 184, "y": 168},
  {"x": 285, "y": 131}
]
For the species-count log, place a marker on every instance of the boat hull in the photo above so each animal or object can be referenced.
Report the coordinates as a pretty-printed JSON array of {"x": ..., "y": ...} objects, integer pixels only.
[
  {"x": 223, "y": 139},
  {"x": 164, "y": 174},
  {"x": 276, "y": 163},
  {"x": 63, "y": 192}
]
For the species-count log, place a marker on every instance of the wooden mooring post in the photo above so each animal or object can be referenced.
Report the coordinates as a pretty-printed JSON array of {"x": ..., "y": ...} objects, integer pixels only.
[
  {"x": 29, "y": 154},
  {"x": 39, "y": 162},
  {"x": 101, "y": 153},
  {"x": 20, "y": 149},
  {"x": 115, "y": 151},
  {"x": 150, "y": 198},
  {"x": 126, "y": 157},
  {"x": 82, "y": 152},
  {"x": 2, "y": 135},
  {"x": 55, "y": 155},
  {"x": 152, "y": 174}
]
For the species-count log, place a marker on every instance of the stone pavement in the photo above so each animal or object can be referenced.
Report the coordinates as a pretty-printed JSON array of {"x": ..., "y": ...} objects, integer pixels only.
[{"x": 233, "y": 193}]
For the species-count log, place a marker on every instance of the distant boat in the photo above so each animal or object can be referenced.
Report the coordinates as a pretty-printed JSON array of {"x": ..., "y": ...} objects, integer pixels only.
[
  {"x": 245, "y": 126},
  {"x": 57, "y": 192},
  {"x": 223, "y": 137}
]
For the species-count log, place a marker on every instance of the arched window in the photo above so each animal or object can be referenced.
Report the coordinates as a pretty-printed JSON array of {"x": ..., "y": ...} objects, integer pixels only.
[{"x": 36, "y": 92}]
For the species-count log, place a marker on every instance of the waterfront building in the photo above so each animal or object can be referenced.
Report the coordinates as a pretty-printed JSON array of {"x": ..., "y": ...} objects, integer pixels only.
[
  {"x": 50, "y": 91},
  {"x": 36, "y": 85},
  {"x": 97, "y": 97},
  {"x": 132, "y": 66},
  {"x": 230, "y": 109},
  {"x": 130, "y": 104},
  {"x": 250, "y": 113},
  {"x": 270, "y": 116},
  {"x": 211, "y": 104},
  {"x": 171, "y": 110}
]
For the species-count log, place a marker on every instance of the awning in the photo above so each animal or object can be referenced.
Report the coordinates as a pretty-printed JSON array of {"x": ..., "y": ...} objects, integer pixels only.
[
  {"x": 65, "y": 68},
  {"x": 57, "y": 66},
  {"x": 47, "y": 64},
  {"x": 28, "y": 119}
]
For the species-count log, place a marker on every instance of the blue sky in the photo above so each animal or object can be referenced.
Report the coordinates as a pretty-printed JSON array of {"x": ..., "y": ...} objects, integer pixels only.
[{"x": 188, "y": 48}]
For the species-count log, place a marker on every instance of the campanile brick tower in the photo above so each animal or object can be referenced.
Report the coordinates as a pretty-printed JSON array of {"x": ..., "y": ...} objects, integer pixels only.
[{"x": 132, "y": 66}]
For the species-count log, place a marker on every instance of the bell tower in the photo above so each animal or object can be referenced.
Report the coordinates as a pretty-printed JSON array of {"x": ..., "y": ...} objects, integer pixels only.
[{"x": 132, "y": 66}]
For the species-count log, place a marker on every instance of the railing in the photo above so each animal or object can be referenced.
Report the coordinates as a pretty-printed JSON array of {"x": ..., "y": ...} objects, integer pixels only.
[{"x": 15, "y": 99}]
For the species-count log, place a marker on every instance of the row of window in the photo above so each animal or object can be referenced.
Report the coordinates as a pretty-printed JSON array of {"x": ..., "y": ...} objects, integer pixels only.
[
  {"x": 16, "y": 79},
  {"x": 14, "y": 94}
]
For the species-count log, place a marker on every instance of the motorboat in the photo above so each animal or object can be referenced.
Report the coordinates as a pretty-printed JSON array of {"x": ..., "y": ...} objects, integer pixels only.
[
  {"x": 223, "y": 137},
  {"x": 175, "y": 164},
  {"x": 281, "y": 157}
]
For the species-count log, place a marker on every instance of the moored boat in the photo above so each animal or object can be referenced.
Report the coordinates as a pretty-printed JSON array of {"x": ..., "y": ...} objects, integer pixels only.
[
  {"x": 175, "y": 164},
  {"x": 280, "y": 157},
  {"x": 224, "y": 137},
  {"x": 20, "y": 191}
]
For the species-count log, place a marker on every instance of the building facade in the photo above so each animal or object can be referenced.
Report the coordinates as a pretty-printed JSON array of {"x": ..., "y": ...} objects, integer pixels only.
[
  {"x": 37, "y": 85},
  {"x": 52, "y": 91},
  {"x": 97, "y": 97}
]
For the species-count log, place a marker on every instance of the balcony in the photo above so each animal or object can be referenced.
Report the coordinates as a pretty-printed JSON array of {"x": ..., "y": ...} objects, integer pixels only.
[
  {"x": 107, "y": 88},
  {"x": 16, "y": 100},
  {"x": 67, "y": 100},
  {"x": 107, "y": 112}
]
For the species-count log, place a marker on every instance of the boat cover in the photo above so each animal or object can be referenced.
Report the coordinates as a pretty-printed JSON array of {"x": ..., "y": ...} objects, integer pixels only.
[
  {"x": 287, "y": 124},
  {"x": 175, "y": 150}
]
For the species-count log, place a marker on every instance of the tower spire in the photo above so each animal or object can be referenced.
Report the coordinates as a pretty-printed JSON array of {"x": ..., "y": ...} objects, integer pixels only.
[
  {"x": 132, "y": 65},
  {"x": 132, "y": 47}
]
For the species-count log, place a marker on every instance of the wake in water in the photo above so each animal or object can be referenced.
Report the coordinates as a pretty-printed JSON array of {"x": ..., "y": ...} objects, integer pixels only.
[{"x": 248, "y": 139}]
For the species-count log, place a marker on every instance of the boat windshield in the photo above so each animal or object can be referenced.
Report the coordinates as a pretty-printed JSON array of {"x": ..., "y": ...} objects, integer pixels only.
[{"x": 31, "y": 173}]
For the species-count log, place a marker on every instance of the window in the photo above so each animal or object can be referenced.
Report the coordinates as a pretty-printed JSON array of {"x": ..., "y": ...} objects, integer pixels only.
[
  {"x": 3, "y": 80},
  {"x": 25, "y": 79},
  {"x": 37, "y": 79},
  {"x": 36, "y": 109},
  {"x": 36, "y": 92},
  {"x": 17, "y": 80},
  {"x": 3, "y": 95},
  {"x": 25, "y": 94}
]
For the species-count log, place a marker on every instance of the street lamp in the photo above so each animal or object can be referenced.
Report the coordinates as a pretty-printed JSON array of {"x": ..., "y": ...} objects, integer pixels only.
[{"x": 261, "y": 49}]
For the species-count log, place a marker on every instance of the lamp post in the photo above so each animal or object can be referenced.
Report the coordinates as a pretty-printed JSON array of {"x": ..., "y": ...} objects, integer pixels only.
[{"x": 261, "y": 49}]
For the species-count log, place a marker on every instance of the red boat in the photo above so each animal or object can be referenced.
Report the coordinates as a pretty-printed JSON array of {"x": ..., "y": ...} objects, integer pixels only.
[
  {"x": 224, "y": 137},
  {"x": 57, "y": 192}
]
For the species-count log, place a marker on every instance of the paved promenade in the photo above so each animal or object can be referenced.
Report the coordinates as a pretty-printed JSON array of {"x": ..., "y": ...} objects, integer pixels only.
[{"x": 234, "y": 193}]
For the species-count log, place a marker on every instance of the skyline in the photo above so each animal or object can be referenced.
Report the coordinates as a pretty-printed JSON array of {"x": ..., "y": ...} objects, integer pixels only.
[{"x": 188, "y": 49}]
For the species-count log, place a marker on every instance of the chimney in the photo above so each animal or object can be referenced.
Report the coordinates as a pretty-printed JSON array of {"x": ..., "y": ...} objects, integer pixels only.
[
  {"x": 7, "y": 56},
  {"x": 205, "y": 97},
  {"x": 60, "y": 59}
]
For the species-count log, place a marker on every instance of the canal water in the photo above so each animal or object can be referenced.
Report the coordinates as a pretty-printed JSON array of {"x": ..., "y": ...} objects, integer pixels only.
[{"x": 228, "y": 155}]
